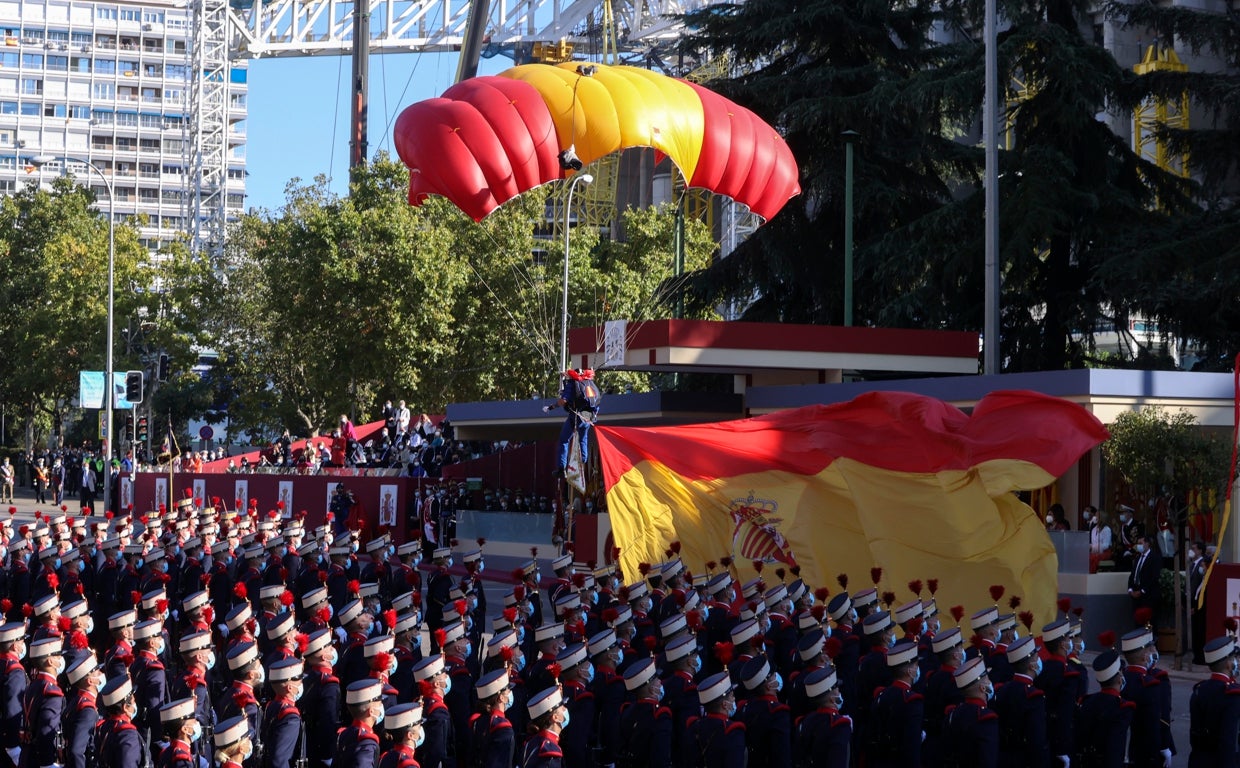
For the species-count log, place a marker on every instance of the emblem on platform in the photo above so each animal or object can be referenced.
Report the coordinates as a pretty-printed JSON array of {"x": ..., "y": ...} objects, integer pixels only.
[{"x": 755, "y": 530}]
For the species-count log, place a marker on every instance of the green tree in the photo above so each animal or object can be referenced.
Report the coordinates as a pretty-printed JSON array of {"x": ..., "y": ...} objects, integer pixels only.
[{"x": 53, "y": 285}]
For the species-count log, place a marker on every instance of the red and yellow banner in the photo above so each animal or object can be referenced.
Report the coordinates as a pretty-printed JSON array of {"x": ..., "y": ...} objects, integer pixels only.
[{"x": 893, "y": 479}]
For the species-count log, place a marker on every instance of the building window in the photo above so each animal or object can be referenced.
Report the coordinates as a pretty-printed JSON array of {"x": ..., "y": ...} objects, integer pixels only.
[
  {"x": 58, "y": 63},
  {"x": 32, "y": 86},
  {"x": 30, "y": 109},
  {"x": 32, "y": 60},
  {"x": 104, "y": 13},
  {"x": 131, "y": 14},
  {"x": 105, "y": 67},
  {"x": 104, "y": 91},
  {"x": 80, "y": 112}
]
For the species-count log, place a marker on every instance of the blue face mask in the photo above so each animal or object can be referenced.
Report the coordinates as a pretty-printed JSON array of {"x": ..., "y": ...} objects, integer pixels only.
[
  {"x": 164, "y": 566},
  {"x": 697, "y": 664},
  {"x": 420, "y": 739},
  {"x": 520, "y": 664},
  {"x": 140, "y": 563},
  {"x": 57, "y": 566},
  {"x": 589, "y": 672},
  {"x": 1037, "y": 667},
  {"x": 567, "y": 717}
]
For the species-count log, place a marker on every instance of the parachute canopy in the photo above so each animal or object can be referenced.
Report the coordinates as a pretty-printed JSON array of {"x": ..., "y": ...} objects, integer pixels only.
[{"x": 488, "y": 139}]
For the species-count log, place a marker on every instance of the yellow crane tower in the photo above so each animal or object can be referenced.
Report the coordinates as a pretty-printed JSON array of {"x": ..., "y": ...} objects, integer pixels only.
[{"x": 1155, "y": 114}]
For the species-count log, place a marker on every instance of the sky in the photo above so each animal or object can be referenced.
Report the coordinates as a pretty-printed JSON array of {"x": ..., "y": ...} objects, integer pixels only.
[{"x": 299, "y": 114}]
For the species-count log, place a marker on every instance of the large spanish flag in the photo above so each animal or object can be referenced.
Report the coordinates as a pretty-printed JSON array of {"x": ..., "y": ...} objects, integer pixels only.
[{"x": 892, "y": 479}]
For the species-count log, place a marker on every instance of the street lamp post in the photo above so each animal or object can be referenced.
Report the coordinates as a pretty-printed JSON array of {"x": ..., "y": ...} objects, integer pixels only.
[
  {"x": 568, "y": 208},
  {"x": 109, "y": 388}
]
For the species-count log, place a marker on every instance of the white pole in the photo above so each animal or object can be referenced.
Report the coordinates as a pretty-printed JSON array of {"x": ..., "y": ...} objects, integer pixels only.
[
  {"x": 568, "y": 207},
  {"x": 990, "y": 124}
]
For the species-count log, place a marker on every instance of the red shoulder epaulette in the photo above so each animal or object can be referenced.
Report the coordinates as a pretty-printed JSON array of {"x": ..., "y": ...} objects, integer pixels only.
[
  {"x": 436, "y": 705},
  {"x": 662, "y": 712},
  {"x": 53, "y": 690},
  {"x": 126, "y": 726},
  {"x": 987, "y": 716},
  {"x": 782, "y": 708},
  {"x": 733, "y": 726},
  {"x": 500, "y": 724},
  {"x": 368, "y": 736},
  {"x": 1071, "y": 672},
  {"x": 1150, "y": 682},
  {"x": 841, "y": 720},
  {"x": 1126, "y": 704},
  {"x": 549, "y": 749},
  {"x": 1033, "y": 693},
  {"x": 913, "y": 696},
  {"x": 693, "y": 719}
]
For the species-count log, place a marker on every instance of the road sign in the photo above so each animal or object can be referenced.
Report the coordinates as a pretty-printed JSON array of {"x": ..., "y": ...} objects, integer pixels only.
[{"x": 206, "y": 433}]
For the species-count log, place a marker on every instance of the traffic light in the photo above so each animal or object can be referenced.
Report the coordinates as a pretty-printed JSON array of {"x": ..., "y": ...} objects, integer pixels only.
[
  {"x": 129, "y": 422},
  {"x": 163, "y": 367},
  {"x": 142, "y": 430},
  {"x": 133, "y": 386}
]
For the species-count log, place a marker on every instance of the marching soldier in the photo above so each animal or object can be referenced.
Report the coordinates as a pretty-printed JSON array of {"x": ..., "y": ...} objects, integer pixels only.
[
  {"x": 1060, "y": 683},
  {"x": 247, "y": 673},
  {"x": 1214, "y": 709},
  {"x": 493, "y": 738},
  {"x": 439, "y": 748},
  {"x": 715, "y": 740},
  {"x": 1104, "y": 717},
  {"x": 283, "y": 733},
  {"x": 81, "y": 711},
  {"x": 941, "y": 690},
  {"x": 1021, "y": 708},
  {"x": 549, "y": 715},
  {"x": 893, "y": 732},
  {"x": 824, "y": 736},
  {"x": 645, "y": 728},
  {"x": 1148, "y": 746},
  {"x": 768, "y": 722},
  {"x": 404, "y": 727},
  {"x": 971, "y": 730},
  {"x": 197, "y": 660},
  {"x": 43, "y": 704},
  {"x": 117, "y": 741},
  {"x": 150, "y": 680},
  {"x": 577, "y": 739},
  {"x": 322, "y": 700},
  {"x": 357, "y": 746},
  {"x": 233, "y": 745},
  {"x": 118, "y": 658},
  {"x": 182, "y": 731}
]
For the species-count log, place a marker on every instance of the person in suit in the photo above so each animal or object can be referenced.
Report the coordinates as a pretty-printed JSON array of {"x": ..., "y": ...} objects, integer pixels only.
[
  {"x": 1196, "y": 578},
  {"x": 1143, "y": 580}
]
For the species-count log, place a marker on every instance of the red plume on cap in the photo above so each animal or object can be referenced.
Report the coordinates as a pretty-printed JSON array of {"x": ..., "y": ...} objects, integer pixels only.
[
  {"x": 38, "y": 514},
  {"x": 426, "y": 688},
  {"x": 461, "y": 606},
  {"x": 579, "y": 580},
  {"x": 623, "y": 593},
  {"x": 519, "y": 592},
  {"x": 27, "y": 610},
  {"x": 957, "y": 612},
  {"x": 303, "y": 642},
  {"x": 610, "y": 615},
  {"x": 651, "y": 642},
  {"x": 6, "y": 605},
  {"x": 932, "y": 585},
  {"x": 64, "y": 623},
  {"x": 533, "y": 551},
  {"x": 876, "y": 575},
  {"x": 711, "y": 565},
  {"x": 1107, "y": 639},
  {"x": 675, "y": 547},
  {"x": 161, "y": 606},
  {"x": 510, "y": 615},
  {"x": 286, "y": 598},
  {"x": 996, "y": 592},
  {"x": 555, "y": 670},
  {"x": 819, "y": 612},
  {"x": 53, "y": 581},
  {"x": 1014, "y": 602},
  {"x": 889, "y": 598},
  {"x": 1229, "y": 623},
  {"x": 726, "y": 561},
  {"x": 77, "y": 640},
  {"x": 136, "y": 597},
  {"x": 507, "y": 653},
  {"x": 240, "y": 591},
  {"x": 441, "y": 637},
  {"x": 322, "y": 576},
  {"x": 454, "y": 543},
  {"x": 842, "y": 580},
  {"x": 482, "y": 542},
  {"x": 723, "y": 652},
  {"x": 517, "y": 574},
  {"x": 822, "y": 593},
  {"x": 253, "y": 502},
  {"x": 913, "y": 626},
  {"x": 24, "y": 530},
  {"x": 380, "y": 661},
  {"x": 354, "y": 586},
  {"x": 643, "y": 568},
  {"x": 615, "y": 553},
  {"x": 1142, "y": 616},
  {"x": 781, "y": 573},
  {"x": 389, "y": 618},
  {"x": 324, "y": 614},
  {"x": 758, "y": 565},
  {"x": 977, "y": 641},
  {"x": 1064, "y": 604},
  {"x": 411, "y": 579},
  {"x": 832, "y": 647},
  {"x": 694, "y": 620},
  {"x": 1077, "y": 611},
  {"x": 12, "y": 511},
  {"x": 1026, "y": 618},
  {"x": 914, "y": 586}
]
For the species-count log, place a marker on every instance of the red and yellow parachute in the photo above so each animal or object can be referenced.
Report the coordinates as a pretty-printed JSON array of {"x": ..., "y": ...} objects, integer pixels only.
[{"x": 488, "y": 139}]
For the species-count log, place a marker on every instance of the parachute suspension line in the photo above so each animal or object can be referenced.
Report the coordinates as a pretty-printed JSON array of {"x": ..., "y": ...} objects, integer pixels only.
[
  {"x": 331, "y": 158},
  {"x": 383, "y": 83},
  {"x": 399, "y": 100}
]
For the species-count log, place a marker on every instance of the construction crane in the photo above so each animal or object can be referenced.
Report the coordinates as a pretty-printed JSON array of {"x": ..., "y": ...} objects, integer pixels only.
[
  {"x": 225, "y": 32},
  {"x": 1156, "y": 114}
]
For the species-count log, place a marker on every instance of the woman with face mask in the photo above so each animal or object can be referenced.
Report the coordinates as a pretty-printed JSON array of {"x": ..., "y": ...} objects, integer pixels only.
[
  {"x": 549, "y": 716},
  {"x": 117, "y": 744},
  {"x": 233, "y": 745},
  {"x": 493, "y": 737}
]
